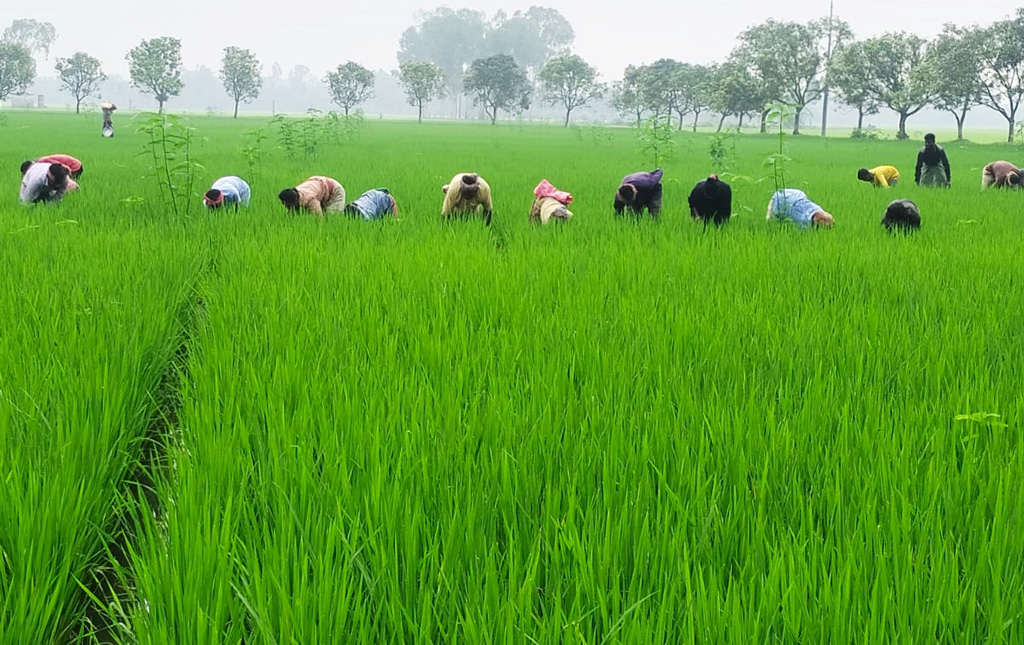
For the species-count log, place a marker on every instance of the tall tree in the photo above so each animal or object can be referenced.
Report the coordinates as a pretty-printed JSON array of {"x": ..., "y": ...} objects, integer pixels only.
[
  {"x": 1003, "y": 65},
  {"x": 570, "y": 81},
  {"x": 627, "y": 94},
  {"x": 350, "y": 84},
  {"x": 37, "y": 36},
  {"x": 698, "y": 87},
  {"x": 531, "y": 37},
  {"x": 736, "y": 92},
  {"x": 663, "y": 87},
  {"x": 17, "y": 69},
  {"x": 155, "y": 67},
  {"x": 786, "y": 54},
  {"x": 833, "y": 35},
  {"x": 423, "y": 82},
  {"x": 81, "y": 75},
  {"x": 851, "y": 73},
  {"x": 954, "y": 60},
  {"x": 899, "y": 78},
  {"x": 497, "y": 83},
  {"x": 241, "y": 74},
  {"x": 451, "y": 39}
]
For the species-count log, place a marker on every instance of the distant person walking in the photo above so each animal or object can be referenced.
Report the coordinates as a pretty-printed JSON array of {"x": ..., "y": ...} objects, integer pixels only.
[
  {"x": 73, "y": 165},
  {"x": 43, "y": 182},
  {"x": 227, "y": 190},
  {"x": 467, "y": 194},
  {"x": 108, "y": 123},
  {"x": 932, "y": 165},
  {"x": 373, "y": 204},
  {"x": 550, "y": 204},
  {"x": 793, "y": 204},
  {"x": 880, "y": 176},
  {"x": 638, "y": 191},
  {"x": 1001, "y": 174},
  {"x": 317, "y": 195}
]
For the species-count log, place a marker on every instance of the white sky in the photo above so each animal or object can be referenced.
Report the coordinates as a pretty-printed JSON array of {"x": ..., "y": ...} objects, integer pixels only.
[{"x": 321, "y": 34}]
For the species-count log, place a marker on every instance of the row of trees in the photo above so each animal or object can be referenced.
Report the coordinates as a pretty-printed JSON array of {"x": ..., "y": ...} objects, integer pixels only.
[
  {"x": 498, "y": 63},
  {"x": 799, "y": 64}
]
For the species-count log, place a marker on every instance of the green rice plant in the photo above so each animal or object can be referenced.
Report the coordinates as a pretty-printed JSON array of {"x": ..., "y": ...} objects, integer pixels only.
[{"x": 410, "y": 431}]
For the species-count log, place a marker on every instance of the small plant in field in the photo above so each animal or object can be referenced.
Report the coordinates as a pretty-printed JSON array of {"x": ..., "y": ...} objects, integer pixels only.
[
  {"x": 869, "y": 133},
  {"x": 655, "y": 138},
  {"x": 600, "y": 134},
  {"x": 721, "y": 150},
  {"x": 252, "y": 150},
  {"x": 778, "y": 161},
  {"x": 169, "y": 144}
]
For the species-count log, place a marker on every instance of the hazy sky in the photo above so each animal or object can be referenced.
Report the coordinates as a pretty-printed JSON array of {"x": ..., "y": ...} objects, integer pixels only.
[{"x": 322, "y": 34}]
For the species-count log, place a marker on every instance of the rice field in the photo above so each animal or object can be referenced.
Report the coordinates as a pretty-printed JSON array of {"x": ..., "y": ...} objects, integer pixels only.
[{"x": 255, "y": 428}]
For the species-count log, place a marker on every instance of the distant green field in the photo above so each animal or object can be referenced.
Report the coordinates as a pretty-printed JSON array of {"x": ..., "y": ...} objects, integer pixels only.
[{"x": 253, "y": 428}]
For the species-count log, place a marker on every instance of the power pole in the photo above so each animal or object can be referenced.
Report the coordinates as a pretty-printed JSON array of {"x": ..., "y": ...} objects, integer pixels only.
[{"x": 828, "y": 66}]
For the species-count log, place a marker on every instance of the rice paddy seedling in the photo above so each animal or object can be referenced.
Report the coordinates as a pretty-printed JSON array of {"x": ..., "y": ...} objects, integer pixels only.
[{"x": 608, "y": 431}]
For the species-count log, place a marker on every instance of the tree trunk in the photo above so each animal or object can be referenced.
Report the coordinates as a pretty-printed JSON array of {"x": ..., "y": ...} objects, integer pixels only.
[
  {"x": 639, "y": 115},
  {"x": 1009, "y": 133},
  {"x": 567, "y": 112},
  {"x": 236, "y": 108},
  {"x": 720, "y": 122},
  {"x": 796, "y": 119},
  {"x": 764, "y": 121},
  {"x": 860, "y": 117},
  {"x": 161, "y": 111},
  {"x": 960, "y": 124},
  {"x": 494, "y": 116},
  {"x": 680, "y": 121},
  {"x": 419, "y": 117},
  {"x": 696, "y": 115},
  {"x": 824, "y": 113},
  {"x": 78, "y": 104},
  {"x": 739, "y": 127},
  {"x": 346, "y": 110}
]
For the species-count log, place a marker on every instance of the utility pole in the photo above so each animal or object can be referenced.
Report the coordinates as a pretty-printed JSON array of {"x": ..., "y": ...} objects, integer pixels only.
[{"x": 828, "y": 66}]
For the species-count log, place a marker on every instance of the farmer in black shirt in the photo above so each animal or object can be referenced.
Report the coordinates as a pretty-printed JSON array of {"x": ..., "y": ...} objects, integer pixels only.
[{"x": 932, "y": 164}]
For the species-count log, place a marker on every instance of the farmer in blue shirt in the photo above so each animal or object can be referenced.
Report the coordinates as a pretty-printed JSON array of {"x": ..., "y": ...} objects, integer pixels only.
[
  {"x": 227, "y": 190},
  {"x": 790, "y": 203},
  {"x": 373, "y": 204}
]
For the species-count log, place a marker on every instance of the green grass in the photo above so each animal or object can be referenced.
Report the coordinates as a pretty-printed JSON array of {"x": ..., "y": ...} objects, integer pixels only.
[{"x": 604, "y": 432}]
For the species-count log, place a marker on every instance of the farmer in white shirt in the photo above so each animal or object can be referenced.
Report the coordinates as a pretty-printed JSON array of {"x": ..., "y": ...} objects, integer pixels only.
[
  {"x": 44, "y": 182},
  {"x": 790, "y": 203},
  {"x": 227, "y": 190}
]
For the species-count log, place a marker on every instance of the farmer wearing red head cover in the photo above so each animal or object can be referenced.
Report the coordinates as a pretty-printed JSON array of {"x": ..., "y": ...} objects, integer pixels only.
[{"x": 227, "y": 190}]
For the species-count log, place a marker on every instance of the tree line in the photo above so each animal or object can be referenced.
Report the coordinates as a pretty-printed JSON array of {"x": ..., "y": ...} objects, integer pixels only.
[{"x": 499, "y": 64}]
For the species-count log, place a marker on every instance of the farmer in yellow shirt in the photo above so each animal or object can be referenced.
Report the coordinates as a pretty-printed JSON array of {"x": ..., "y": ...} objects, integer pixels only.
[{"x": 880, "y": 176}]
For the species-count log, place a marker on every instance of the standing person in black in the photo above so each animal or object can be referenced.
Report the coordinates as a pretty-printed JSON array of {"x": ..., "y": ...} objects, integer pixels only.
[{"x": 932, "y": 164}]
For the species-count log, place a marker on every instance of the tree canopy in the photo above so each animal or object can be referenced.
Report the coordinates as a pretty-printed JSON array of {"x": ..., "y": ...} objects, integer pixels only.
[
  {"x": 241, "y": 74},
  {"x": 350, "y": 84},
  {"x": 17, "y": 69},
  {"x": 155, "y": 67},
  {"x": 498, "y": 83},
  {"x": 423, "y": 82},
  {"x": 571, "y": 82},
  {"x": 81, "y": 75}
]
